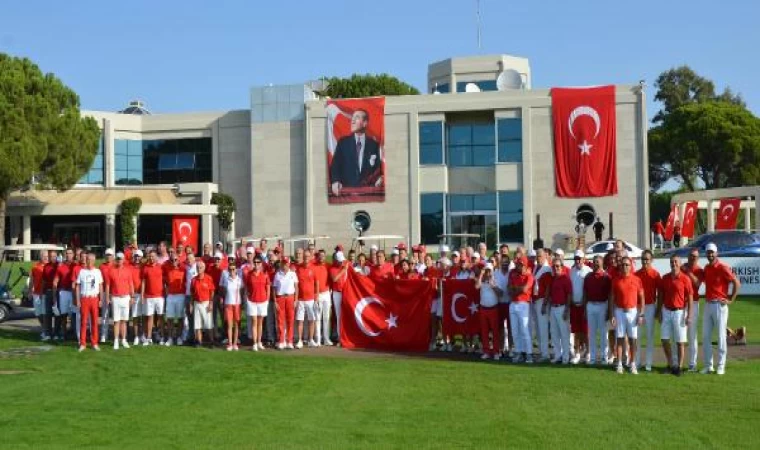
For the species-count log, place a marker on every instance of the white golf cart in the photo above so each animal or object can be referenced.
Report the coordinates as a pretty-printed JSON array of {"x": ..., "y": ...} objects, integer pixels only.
[{"x": 10, "y": 257}]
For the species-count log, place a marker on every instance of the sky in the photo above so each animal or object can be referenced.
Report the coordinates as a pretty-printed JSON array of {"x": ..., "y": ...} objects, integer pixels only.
[{"x": 199, "y": 55}]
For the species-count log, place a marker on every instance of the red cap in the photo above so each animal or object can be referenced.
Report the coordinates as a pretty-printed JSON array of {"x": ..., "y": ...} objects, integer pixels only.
[
  {"x": 258, "y": 251},
  {"x": 286, "y": 260},
  {"x": 415, "y": 248},
  {"x": 422, "y": 248},
  {"x": 401, "y": 246}
]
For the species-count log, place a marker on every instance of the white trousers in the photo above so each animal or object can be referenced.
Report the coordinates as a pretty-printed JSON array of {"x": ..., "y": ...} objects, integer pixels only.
[
  {"x": 560, "y": 333},
  {"x": 596, "y": 314},
  {"x": 519, "y": 319},
  {"x": 542, "y": 327},
  {"x": 337, "y": 297},
  {"x": 322, "y": 323},
  {"x": 649, "y": 325},
  {"x": 691, "y": 335},
  {"x": 104, "y": 313},
  {"x": 716, "y": 316}
]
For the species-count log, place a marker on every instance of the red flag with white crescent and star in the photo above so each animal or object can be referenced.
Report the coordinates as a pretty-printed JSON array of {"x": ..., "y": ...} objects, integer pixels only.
[
  {"x": 387, "y": 314},
  {"x": 671, "y": 223},
  {"x": 461, "y": 306},
  {"x": 689, "y": 219},
  {"x": 728, "y": 214},
  {"x": 185, "y": 231},
  {"x": 585, "y": 148}
]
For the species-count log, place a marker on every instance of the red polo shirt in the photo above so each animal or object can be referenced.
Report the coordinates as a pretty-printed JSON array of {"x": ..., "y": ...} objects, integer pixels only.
[
  {"x": 626, "y": 290},
  {"x": 561, "y": 287},
  {"x": 136, "y": 280},
  {"x": 717, "y": 278},
  {"x": 48, "y": 274},
  {"x": 305, "y": 276},
  {"x": 334, "y": 270},
  {"x": 202, "y": 288},
  {"x": 175, "y": 281},
  {"x": 650, "y": 280},
  {"x": 153, "y": 277},
  {"x": 521, "y": 279},
  {"x": 256, "y": 284},
  {"x": 675, "y": 290},
  {"x": 597, "y": 286},
  {"x": 36, "y": 276},
  {"x": 64, "y": 273},
  {"x": 379, "y": 272},
  {"x": 699, "y": 274},
  {"x": 321, "y": 274},
  {"x": 119, "y": 281}
]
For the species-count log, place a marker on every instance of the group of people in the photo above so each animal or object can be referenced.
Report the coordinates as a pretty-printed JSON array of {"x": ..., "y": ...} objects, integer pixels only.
[{"x": 590, "y": 312}]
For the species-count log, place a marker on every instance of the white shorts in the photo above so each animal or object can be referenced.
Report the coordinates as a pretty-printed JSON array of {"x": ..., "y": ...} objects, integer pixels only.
[
  {"x": 120, "y": 308},
  {"x": 39, "y": 304},
  {"x": 154, "y": 305},
  {"x": 324, "y": 297},
  {"x": 202, "y": 316},
  {"x": 253, "y": 309},
  {"x": 673, "y": 325},
  {"x": 627, "y": 323},
  {"x": 138, "y": 309},
  {"x": 175, "y": 306},
  {"x": 305, "y": 308},
  {"x": 437, "y": 307},
  {"x": 65, "y": 302}
]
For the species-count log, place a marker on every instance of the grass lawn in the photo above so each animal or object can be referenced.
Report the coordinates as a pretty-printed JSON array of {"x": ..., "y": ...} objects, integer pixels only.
[{"x": 196, "y": 398}]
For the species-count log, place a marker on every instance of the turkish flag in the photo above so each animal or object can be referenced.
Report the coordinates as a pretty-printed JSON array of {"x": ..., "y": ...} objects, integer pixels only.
[
  {"x": 670, "y": 224},
  {"x": 185, "y": 231},
  {"x": 391, "y": 315},
  {"x": 728, "y": 214},
  {"x": 461, "y": 303},
  {"x": 585, "y": 149},
  {"x": 689, "y": 219}
]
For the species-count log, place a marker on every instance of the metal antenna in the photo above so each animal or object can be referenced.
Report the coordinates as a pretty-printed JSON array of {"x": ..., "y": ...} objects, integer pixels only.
[{"x": 477, "y": 18}]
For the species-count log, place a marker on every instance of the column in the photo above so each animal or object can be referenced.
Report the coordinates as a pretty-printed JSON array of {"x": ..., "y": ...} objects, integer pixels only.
[
  {"x": 26, "y": 229},
  {"x": 207, "y": 229},
  {"x": 15, "y": 229},
  {"x": 748, "y": 215},
  {"x": 111, "y": 231},
  {"x": 710, "y": 217}
]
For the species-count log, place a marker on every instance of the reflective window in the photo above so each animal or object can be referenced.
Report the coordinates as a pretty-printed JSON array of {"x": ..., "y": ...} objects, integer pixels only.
[
  {"x": 485, "y": 85},
  {"x": 128, "y": 162},
  {"x": 472, "y": 202},
  {"x": 442, "y": 88},
  {"x": 431, "y": 217},
  {"x": 511, "y": 216},
  {"x": 471, "y": 144},
  {"x": 168, "y": 161},
  {"x": 510, "y": 140},
  {"x": 95, "y": 174},
  {"x": 431, "y": 142}
]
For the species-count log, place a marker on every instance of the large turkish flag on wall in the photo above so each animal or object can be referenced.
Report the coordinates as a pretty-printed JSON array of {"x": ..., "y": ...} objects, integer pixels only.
[
  {"x": 728, "y": 214},
  {"x": 585, "y": 148},
  {"x": 689, "y": 219},
  {"x": 185, "y": 231},
  {"x": 461, "y": 303},
  {"x": 392, "y": 315}
]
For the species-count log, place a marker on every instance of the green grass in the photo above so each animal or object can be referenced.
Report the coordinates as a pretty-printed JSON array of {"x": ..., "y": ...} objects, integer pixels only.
[{"x": 196, "y": 398}]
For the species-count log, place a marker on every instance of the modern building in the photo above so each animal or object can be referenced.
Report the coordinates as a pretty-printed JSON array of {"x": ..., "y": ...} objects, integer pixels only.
[{"x": 461, "y": 158}]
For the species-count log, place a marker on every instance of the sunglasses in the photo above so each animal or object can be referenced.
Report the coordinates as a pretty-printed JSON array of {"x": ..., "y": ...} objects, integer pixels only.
[
  {"x": 626, "y": 265},
  {"x": 557, "y": 267}
]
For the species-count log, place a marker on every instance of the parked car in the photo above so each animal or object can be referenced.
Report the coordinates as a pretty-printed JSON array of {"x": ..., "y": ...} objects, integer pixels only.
[
  {"x": 600, "y": 248},
  {"x": 729, "y": 243}
]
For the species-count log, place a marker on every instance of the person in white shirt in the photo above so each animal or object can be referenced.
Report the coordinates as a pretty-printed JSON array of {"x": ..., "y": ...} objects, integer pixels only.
[
  {"x": 88, "y": 289},
  {"x": 285, "y": 286},
  {"x": 578, "y": 322},
  {"x": 191, "y": 270},
  {"x": 501, "y": 277},
  {"x": 231, "y": 286}
]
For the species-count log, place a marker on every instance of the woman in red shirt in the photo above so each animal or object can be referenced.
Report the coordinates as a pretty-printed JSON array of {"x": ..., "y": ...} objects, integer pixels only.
[
  {"x": 258, "y": 290},
  {"x": 406, "y": 272}
]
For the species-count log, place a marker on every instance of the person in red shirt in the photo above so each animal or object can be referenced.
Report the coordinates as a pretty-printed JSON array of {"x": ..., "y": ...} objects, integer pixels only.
[
  {"x": 307, "y": 289},
  {"x": 406, "y": 272},
  {"x": 323, "y": 303},
  {"x": 558, "y": 298},
  {"x": 520, "y": 286},
  {"x": 658, "y": 229},
  {"x": 137, "y": 314},
  {"x": 176, "y": 287},
  {"x": 697, "y": 275},
  {"x": 718, "y": 278},
  {"x": 48, "y": 275},
  {"x": 627, "y": 299},
  {"x": 120, "y": 294},
  {"x": 202, "y": 294},
  {"x": 383, "y": 269},
  {"x": 650, "y": 281},
  {"x": 105, "y": 311},
  {"x": 207, "y": 257},
  {"x": 63, "y": 291},
  {"x": 674, "y": 304},
  {"x": 596, "y": 294},
  {"x": 152, "y": 295},
  {"x": 338, "y": 275},
  {"x": 181, "y": 253},
  {"x": 677, "y": 234},
  {"x": 258, "y": 288},
  {"x": 434, "y": 275},
  {"x": 38, "y": 292},
  {"x": 215, "y": 271}
]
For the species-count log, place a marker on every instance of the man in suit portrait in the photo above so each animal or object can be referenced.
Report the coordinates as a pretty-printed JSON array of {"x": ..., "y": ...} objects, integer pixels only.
[{"x": 356, "y": 162}]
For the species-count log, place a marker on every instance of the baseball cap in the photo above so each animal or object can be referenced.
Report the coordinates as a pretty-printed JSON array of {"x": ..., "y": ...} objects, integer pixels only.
[
  {"x": 373, "y": 247},
  {"x": 120, "y": 255},
  {"x": 394, "y": 251},
  {"x": 401, "y": 246},
  {"x": 523, "y": 260},
  {"x": 559, "y": 251},
  {"x": 109, "y": 252},
  {"x": 138, "y": 253},
  {"x": 711, "y": 247},
  {"x": 489, "y": 266},
  {"x": 578, "y": 254},
  {"x": 339, "y": 248},
  {"x": 339, "y": 256},
  {"x": 415, "y": 249},
  {"x": 444, "y": 249},
  {"x": 445, "y": 261},
  {"x": 476, "y": 255},
  {"x": 609, "y": 247},
  {"x": 531, "y": 253},
  {"x": 455, "y": 253},
  {"x": 286, "y": 260},
  {"x": 218, "y": 255},
  {"x": 249, "y": 250}
]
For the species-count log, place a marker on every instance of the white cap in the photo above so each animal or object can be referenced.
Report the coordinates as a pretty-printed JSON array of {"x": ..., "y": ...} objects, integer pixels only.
[
  {"x": 445, "y": 261},
  {"x": 394, "y": 251},
  {"x": 219, "y": 244},
  {"x": 531, "y": 253},
  {"x": 218, "y": 255},
  {"x": 249, "y": 250},
  {"x": 578, "y": 254},
  {"x": 109, "y": 252},
  {"x": 711, "y": 247},
  {"x": 489, "y": 266},
  {"x": 373, "y": 247},
  {"x": 444, "y": 249},
  {"x": 610, "y": 246},
  {"x": 138, "y": 253},
  {"x": 120, "y": 255},
  {"x": 455, "y": 253},
  {"x": 475, "y": 255},
  {"x": 339, "y": 257},
  {"x": 559, "y": 251}
]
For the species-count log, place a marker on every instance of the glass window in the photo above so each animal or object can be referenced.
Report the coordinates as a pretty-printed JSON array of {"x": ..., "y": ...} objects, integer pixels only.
[
  {"x": 460, "y": 202},
  {"x": 511, "y": 216},
  {"x": 431, "y": 142},
  {"x": 431, "y": 217},
  {"x": 186, "y": 160},
  {"x": 95, "y": 174},
  {"x": 484, "y": 202},
  {"x": 128, "y": 162},
  {"x": 460, "y": 134},
  {"x": 510, "y": 140},
  {"x": 471, "y": 144},
  {"x": 484, "y": 85},
  {"x": 442, "y": 88}
]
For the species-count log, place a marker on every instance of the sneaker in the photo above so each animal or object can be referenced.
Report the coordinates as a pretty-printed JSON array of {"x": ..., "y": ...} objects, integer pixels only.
[
  {"x": 677, "y": 371},
  {"x": 161, "y": 341},
  {"x": 96, "y": 348},
  {"x": 299, "y": 344},
  {"x": 169, "y": 342},
  {"x": 229, "y": 348},
  {"x": 82, "y": 348},
  {"x": 485, "y": 356},
  {"x": 124, "y": 343},
  {"x": 706, "y": 371},
  {"x": 179, "y": 342},
  {"x": 529, "y": 360},
  {"x": 692, "y": 369},
  {"x": 311, "y": 344},
  {"x": 254, "y": 348},
  {"x": 116, "y": 345},
  {"x": 147, "y": 342},
  {"x": 281, "y": 346},
  {"x": 517, "y": 359},
  {"x": 261, "y": 346},
  {"x": 136, "y": 342},
  {"x": 328, "y": 343},
  {"x": 721, "y": 371},
  {"x": 45, "y": 338},
  {"x": 225, "y": 341},
  {"x": 102, "y": 339},
  {"x": 619, "y": 368},
  {"x": 648, "y": 368},
  {"x": 576, "y": 359},
  {"x": 290, "y": 346},
  {"x": 235, "y": 348},
  {"x": 496, "y": 357},
  {"x": 316, "y": 344},
  {"x": 634, "y": 371}
]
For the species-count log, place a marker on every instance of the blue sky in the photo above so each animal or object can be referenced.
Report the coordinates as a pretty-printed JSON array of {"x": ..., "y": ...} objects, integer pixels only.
[{"x": 193, "y": 55}]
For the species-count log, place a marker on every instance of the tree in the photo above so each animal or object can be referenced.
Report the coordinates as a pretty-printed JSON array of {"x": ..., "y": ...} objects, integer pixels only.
[
  {"x": 44, "y": 140},
  {"x": 368, "y": 85},
  {"x": 716, "y": 142}
]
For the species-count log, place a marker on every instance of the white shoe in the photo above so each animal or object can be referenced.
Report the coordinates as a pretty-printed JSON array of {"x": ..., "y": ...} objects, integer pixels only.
[
  {"x": 619, "y": 368},
  {"x": 96, "y": 348},
  {"x": 496, "y": 357},
  {"x": 116, "y": 345},
  {"x": 281, "y": 346},
  {"x": 102, "y": 339},
  {"x": 648, "y": 368},
  {"x": 576, "y": 359},
  {"x": 299, "y": 344},
  {"x": 82, "y": 348},
  {"x": 261, "y": 346},
  {"x": 235, "y": 348},
  {"x": 706, "y": 371},
  {"x": 485, "y": 357},
  {"x": 311, "y": 344},
  {"x": 721, "y": 371},
  {"x": 290, "y": 346},
  {"x": 529, "y": 360},
  {"x": 169, "y": 342},
  {"x": 254, "y": 348},
  {"x": 180, "y": 342},
  {"x": 45, "y": 338},
  {"x": 328, "y": 343},
  {"x": 692, "y": 369},
  {"x": 124, "y": 343},
  {"x": 634, "y": 371},
  {"x": 161, "y": 342},
  {"x": 317, "y": 344},
  {"x": 229, "y": 348},
  {"x": 147, "y": 342},
  {"x": 136, "y": 342}
]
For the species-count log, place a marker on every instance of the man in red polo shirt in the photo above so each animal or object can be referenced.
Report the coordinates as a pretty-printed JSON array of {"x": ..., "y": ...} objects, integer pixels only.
[
  {"x": 559, "y": 297},
  {"x": 338, "y": 275},
  {"x": 38, "y": 292},
  {"x": 63, "y": 286},
  {"x": 307, "y": 289},
  {"x": 697, "y": 275},
  {"x": 627, "y": 299},
  {"x": 202, "y": 293},
  {"x": 48, "y": 275},
  {"x": 673, "y": 310},
  {"x": 650, "y": 281},
  {"x": 120, "y": 295},
  {"x": 323, "y": 303},
  {"x": 382, "y": 269},
  {"x": 105, "y": 310},
  {"x": 152, "y": 295},
  {"x": 596, "y": 294},
  {"x": 520, "y": 286},
  {"x": 718, "y": 277},
  {"x": 176, "y": 286}
]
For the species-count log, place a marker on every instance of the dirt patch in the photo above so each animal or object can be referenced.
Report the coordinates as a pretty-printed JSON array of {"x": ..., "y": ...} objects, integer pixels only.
[
  {"x": 25, "y": 351},
  {"x": 13, "y": 372}
]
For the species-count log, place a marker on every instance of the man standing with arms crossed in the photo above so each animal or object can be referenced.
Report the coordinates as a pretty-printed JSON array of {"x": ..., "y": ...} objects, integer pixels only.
[
  {"x": 578, "y": 323},
  {"x": 120, "y": 294},
  {"x": 627, "y": 304},
  {"x": 675, "y": 297},
  {"x": 650, "y": 281},
  {"x": 596, "y": 294},
  {"x": 697, "y": 275},
  {"x": 717, "y": 278},
  {"x": 88, "y": 290},
  {"x": 285, "y": 286},
  {"x": 323, "y": 303}
]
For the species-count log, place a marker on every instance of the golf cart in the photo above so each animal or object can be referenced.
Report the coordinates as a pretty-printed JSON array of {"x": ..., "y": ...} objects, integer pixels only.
[{"x": 9, "y": 259}]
